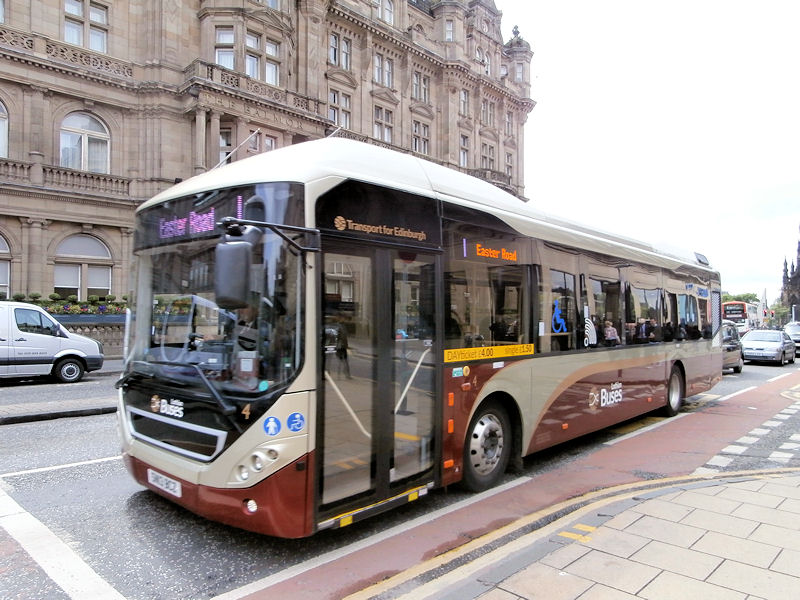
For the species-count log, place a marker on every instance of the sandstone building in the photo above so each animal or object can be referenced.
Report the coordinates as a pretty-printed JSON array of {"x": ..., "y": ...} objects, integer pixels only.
[{"x": 104, "y": 103}]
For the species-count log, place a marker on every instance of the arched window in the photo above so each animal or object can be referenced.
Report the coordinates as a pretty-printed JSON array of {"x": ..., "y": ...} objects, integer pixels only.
[
  {"x": 84, "y": 143},
  {"x": 5, "y": 268},
  {"x": 386, "y": 11},
  {"x": 3, "y": 131},
  {"x": 82, "y": 268}
]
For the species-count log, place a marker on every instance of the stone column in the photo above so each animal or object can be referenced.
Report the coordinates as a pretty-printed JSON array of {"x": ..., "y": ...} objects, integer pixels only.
[
  {"x": 36, "y": 250},
  {"x": 200, "y": 140},
  {"x": 212, "y": 148}
]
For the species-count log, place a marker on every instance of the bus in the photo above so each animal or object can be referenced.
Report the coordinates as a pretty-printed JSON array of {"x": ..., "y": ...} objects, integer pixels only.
[
  {"x": 409, "y": 327},
  {"x": 744, "y": 314}
]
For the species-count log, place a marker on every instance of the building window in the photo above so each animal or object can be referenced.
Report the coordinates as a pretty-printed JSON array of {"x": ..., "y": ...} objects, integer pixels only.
[
  {"x": 518, "y": 72},
  {"x": 487, "y": 113},
  {"x": 85, "y": 144},
  {"x": 384, "y": 70},
  {"x": 420, "y": 137},
  {"x": 3, "y": 131},
  {"x": 339, "y": 108},
  {"x": 386, "y": 11},
  {"x": 252, "y": 57},
  {"x": 2, "y": 11},
  {"x": 509, "y": 164},
  {"x": 383, "y": 124},
  {"x": 463, "y": 151},
  {"x": 272, "y": 73},
  {"x": 420, "y": 87},
  {"x": 225, "y": 145},
  {"x": 5, "y": 269},
  {"x": 487, "y": 156},
  {"x": 77, "y": 27},
  {"x": 509, "y": 123},
  {"x": 252, "y": 65},
  {"x": 270, "y": 143},
  {"x": 463, "y": 102},
  {"x": 77, "y": 272},
  {"x": 347, "y": 53},
  {"x": 224, "y": 47},
  {"x": 333, "y": 49},
  {"x": 449, "y": 30},
  {"x": 340, "y": 51}
]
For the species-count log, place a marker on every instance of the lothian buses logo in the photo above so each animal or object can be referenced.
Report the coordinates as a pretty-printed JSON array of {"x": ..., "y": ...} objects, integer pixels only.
[
  {"x": 605, "y": 397},
  {"x": 173, "y": 408},
  {"x": 340, "y": 223}
]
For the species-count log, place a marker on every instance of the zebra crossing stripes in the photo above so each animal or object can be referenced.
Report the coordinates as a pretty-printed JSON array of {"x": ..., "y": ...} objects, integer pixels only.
[{"x": 736, "y": 452}]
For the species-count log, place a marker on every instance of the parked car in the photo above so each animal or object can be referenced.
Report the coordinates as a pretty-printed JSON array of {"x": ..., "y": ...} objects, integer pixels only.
[
  {"x": 768, "y": 345},
  {"x": 732, "y": 356},
  {"x": 793, "y": 330},
  {"x": 33, "y": 343}
]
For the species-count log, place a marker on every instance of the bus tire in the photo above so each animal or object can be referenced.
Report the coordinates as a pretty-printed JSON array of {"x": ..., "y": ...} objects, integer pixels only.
[
  {"x": 68, "y": 370},
  {"x": 674, "y": 393},
  {"x": 487, "y": 447}
]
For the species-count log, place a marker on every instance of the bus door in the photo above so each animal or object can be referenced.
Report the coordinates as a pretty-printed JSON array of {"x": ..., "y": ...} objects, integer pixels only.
[{"x": 379, "y": 373}]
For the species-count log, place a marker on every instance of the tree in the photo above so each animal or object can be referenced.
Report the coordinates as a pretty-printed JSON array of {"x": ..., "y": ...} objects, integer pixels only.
[{"x": 753, "y": 298}]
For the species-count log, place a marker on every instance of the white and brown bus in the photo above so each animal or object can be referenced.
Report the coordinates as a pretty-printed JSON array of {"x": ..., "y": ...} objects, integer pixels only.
[{"x": 328, "y": 330}]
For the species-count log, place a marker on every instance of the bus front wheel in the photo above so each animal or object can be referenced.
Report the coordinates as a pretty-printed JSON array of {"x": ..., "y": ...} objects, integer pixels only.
[
  {"x": 674, "y": 393},
  {"x": 487, "y": 448}
]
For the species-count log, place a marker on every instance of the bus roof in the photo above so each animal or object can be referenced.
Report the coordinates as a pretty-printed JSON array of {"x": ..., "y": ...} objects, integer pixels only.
[{"x": 342, "y": 159}]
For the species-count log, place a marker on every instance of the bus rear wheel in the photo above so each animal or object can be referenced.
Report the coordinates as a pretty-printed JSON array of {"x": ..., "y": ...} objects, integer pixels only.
[
  {"x": 487, "y": 448},
  {"x": 674, "y": 393}
]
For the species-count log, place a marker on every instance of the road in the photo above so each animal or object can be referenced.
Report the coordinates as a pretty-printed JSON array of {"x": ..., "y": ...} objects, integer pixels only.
[{"x": 63, "y": 480}]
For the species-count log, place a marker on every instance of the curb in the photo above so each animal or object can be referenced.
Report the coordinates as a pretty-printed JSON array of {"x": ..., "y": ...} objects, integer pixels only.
[{"x": 462, "y": 573}]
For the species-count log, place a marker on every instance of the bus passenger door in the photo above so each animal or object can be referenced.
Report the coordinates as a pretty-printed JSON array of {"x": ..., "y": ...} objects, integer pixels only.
[{"x": 379, "y": 373}]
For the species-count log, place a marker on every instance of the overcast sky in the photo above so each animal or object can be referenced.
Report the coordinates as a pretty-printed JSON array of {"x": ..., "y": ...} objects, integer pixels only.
[{"x": 672, "y": 122}]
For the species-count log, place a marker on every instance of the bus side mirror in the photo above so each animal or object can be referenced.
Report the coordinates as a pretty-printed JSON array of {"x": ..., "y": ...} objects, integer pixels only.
[{"x": 233, "y": 257}]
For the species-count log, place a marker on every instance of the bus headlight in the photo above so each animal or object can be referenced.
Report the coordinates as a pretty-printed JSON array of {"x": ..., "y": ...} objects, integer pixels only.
[
  {"x": 244, "y": 473},
  {"x": 250, "y": 506}
]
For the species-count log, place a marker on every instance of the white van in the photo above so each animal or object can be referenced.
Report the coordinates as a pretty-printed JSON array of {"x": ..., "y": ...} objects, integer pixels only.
[{"x": 34, "y": 343}]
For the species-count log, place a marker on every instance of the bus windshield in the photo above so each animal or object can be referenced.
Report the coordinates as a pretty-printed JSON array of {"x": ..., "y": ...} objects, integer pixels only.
[{"x": 183, "y": 336}]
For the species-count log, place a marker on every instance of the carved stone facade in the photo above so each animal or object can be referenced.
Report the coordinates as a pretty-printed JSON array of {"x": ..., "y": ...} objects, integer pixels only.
[
  {"x": 104, "y": 104},
  {"x": 790, "y": 292}
]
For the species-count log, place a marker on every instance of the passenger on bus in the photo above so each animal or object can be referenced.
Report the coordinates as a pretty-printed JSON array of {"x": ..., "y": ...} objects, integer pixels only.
[{"x": 610, "y": 334}]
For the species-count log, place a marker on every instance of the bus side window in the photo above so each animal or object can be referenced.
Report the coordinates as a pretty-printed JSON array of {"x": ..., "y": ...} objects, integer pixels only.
[{"x": 563, "y": 312}]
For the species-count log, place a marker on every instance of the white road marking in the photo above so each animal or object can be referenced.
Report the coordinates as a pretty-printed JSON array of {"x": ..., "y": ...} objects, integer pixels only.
[{"x": 56, "y": 558}]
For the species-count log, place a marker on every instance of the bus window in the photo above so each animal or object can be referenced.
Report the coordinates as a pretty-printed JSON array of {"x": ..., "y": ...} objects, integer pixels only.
[
  {"x": 688, "y": 320},
  {"x": 605, "y": 302},
  {"x": 508, "y": 286},
  {"x": 486, "y": 286},
  {"x": 643, "y": 315},
  {"x": 562, "y": 311}
]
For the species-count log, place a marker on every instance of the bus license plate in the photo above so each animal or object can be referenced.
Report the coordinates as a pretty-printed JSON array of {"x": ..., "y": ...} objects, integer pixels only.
[{"x": 164, "y": 483}]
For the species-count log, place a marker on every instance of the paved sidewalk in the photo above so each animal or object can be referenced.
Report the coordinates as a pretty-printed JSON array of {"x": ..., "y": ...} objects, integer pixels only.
[{"x": 732, "y": 538}]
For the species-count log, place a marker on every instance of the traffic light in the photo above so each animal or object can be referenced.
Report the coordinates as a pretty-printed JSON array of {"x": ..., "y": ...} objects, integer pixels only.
[
  {"x": 772, "y": 313},
  {"x": 765, "y": 312}
]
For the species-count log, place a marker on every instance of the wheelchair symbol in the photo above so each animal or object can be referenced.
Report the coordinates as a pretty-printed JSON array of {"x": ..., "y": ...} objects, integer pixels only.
[{"x": 559, "y": 324}]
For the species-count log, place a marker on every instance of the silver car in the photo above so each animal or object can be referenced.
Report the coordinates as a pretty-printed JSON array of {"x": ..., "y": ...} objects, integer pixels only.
[
  {"x": 768, "y": 345},
  {"x": 793, "y": 329}
]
